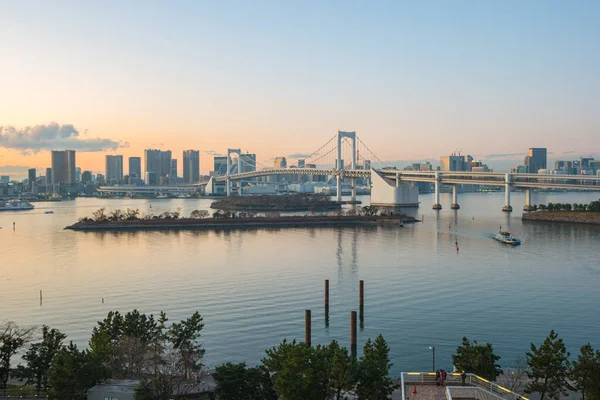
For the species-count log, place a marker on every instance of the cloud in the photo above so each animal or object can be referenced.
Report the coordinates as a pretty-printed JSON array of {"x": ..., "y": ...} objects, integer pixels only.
[
  {"x": 299, "y": 155},
  {"x": 33, "y": 139},
  {"x": 14, "y": 168},
  {"x": 503, "y": 155},
  {"x": 213, "y": 153}
]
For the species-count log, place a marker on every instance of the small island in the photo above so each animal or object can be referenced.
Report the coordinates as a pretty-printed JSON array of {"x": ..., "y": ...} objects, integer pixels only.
[
  {"x": 129, "y": 220},
  {"x": 290, "y": 203},
  {"x": 565, "y": 212}
]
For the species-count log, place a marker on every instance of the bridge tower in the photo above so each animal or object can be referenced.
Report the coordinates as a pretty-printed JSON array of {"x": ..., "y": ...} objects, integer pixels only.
[
  {"x": 507, "y": 180},
  {"x": 340, "y": 163},
  {"x": 239, "y": 171}
]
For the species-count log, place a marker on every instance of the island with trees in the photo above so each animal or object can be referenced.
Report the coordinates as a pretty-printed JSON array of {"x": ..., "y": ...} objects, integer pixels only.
[
  {"x": 131, "y": 219},
  {"x": 565, "y": 212},
  {"x": 289, "y": 203}
]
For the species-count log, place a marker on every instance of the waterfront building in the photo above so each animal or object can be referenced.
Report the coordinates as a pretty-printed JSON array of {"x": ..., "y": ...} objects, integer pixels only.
[
  {"x": 151, "y": 178},
  {"x": 63, "y": 166},
  {"x": 191, "y": 166},
  {"x": 135, "y": 167},
  {"x": 455, "y": 162},
  {"x": 114, "y": 169},
  {"x": 31, "y": 178},
  {"x": 280, "y": 162},
  {"x": 220, "y": 165},
  {"x": 173, "y": 169},
  {"x": 535, "y": 159}
]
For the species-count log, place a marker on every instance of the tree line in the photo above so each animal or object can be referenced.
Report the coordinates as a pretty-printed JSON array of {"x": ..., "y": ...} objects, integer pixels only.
[{"x": 593, "y": 206}]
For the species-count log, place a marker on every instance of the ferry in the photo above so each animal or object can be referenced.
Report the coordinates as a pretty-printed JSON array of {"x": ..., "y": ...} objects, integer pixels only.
[
  {"x": 15, "y": 205},
  {"x": 507, "y": 238}
]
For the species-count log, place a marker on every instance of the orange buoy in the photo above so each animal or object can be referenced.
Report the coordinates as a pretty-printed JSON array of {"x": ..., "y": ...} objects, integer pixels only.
[{"x": 415, "y": 389}]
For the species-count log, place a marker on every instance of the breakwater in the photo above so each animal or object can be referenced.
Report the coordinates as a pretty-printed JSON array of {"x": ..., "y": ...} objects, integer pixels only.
[
  {"x": 237, "y": 223},
  {"x": 574, "y": 217}
]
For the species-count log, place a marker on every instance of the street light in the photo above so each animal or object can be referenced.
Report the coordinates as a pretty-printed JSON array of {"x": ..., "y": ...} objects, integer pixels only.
[{"x": 432, "y": 348}]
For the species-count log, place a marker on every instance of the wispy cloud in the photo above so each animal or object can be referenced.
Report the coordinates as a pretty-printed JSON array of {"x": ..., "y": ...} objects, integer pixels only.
[
  {"x": 503, "y": 155},
  {"x": 33, "y": 139},
  {"x": 14, "y": 168},
  {"x": 298, "y": 155},
  {"x": 213, "y": 153}
]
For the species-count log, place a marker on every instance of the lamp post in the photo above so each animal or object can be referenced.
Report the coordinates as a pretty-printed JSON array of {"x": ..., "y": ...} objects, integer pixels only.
[{"x": 432, "y": 348}]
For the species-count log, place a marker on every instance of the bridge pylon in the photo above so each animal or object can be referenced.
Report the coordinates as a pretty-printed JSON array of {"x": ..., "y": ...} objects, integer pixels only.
[{"x": 340, "y": 163}]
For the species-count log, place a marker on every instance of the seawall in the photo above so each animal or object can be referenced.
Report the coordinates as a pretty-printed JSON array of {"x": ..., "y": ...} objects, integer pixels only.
[{"x": 573, "y": 217}]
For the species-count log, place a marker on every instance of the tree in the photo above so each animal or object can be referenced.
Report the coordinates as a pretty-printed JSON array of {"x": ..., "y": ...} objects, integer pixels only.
[
  {"x": 343, "y": 369},
  {"x": 238, "y": 382},
  {"x": 373, "y": 370},
  {"x": 12, "y": 338},
  {"x": 477, "y": 358},
  {"x": 586, "y": 372},
  {"x": 549, "y": 368},
  {"x": 38, "y": 357},
  {"x": 184, "y": 337},
  {"x": 72, "y": 373},
  {"x": 515, "y": 379},
  {"x": 99, "y": 215}
]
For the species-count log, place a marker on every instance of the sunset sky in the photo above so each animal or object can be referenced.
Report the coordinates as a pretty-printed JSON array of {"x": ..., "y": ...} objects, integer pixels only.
[{"x": 415, "y": 80}]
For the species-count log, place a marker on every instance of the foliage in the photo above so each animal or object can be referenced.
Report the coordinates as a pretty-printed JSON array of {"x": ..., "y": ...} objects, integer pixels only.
[
  {"x": 549, "y": 368},
  {"x": 515, "y": 379},
  {"x": 298, "y": 201},
  {"x": 38, "y": 358},
  {"x": 593, "y": 206},
  {"x": 370, "y": 211},
  {"x": 373, "y": 370},
  {"x": 12, "y": 338},
  {"x": 586, "y": 372},
  {"x": 72, "y": 373},
  {"x": 183, "y": 337},
  {"x": 477, "y": 358},
  {"x": 238, "y": 382},
  {"x": 343, "y": 369},
  {"x": 199, "y": 214}
]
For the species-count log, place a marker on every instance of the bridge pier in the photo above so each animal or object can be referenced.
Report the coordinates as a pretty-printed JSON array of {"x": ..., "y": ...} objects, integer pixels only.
[
  {"x": 436, "y": 198},
  {"x": 353, "y": 190},
  {"x": 528, "y": 206},
  {"x": 454, "y": 205},
  {"x": 507, "y": 207}
]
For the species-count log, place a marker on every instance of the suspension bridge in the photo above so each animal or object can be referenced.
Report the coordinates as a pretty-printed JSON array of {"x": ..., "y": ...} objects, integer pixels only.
[{"x": 346, "y": 157}]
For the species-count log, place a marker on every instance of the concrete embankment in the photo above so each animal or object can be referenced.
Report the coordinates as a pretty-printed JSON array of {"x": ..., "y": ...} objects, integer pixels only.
[
  {"x": 573, "y": 217},
  {"x": 239, "y": 223}
]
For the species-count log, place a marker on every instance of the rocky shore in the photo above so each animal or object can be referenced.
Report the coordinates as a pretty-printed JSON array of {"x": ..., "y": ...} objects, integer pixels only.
[
  {"x": 573, "y": 217},
  {"x": 237, "y": 223}
]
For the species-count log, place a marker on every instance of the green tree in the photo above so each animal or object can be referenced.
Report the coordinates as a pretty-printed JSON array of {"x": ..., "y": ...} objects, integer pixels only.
[
  {"x": 586, "y": 372},
  {"x": 549, "y": 368},
  {"x": 12, "y": 338},
  {"x": 343, "y": 369},
  {"x": 373, "y": 370},
  {"x": 299, "y": 371},
  {"x": 184, "y": 337},
  {"x": 72, "y": 373},
  {"x": 477, "y": 358},
  {"x": 38, "y": 357},
  {"x": 238, "y": 382}
]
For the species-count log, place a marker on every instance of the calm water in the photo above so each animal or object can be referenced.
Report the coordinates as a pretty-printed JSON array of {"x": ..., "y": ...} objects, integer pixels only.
[{"x": 253, "y": 286}]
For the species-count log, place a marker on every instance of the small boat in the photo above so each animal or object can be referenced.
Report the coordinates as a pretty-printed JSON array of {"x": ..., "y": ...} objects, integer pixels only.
[
  {"x": 507, "y": 238},
  {"x": 49, "y": 212}
]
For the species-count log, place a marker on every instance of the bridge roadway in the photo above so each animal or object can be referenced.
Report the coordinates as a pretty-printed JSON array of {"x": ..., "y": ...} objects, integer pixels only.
[{"x": 452, "y": 178}]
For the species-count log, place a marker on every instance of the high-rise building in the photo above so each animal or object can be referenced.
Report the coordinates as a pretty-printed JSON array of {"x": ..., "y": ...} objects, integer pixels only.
[
  {"x": 535, "y": 160},
  {"x": 78, "y": 174},
  {"x": 135, "y": 167},
  {"x": 220, "y": 165},
  {"x": 280, "y": 162},
  {"x": 191, "y": 166},
  {"x": 152, "y": 164},
  {"x": 86, "y": 177},
  {"x": 114, "y": 169},
  {"x": 302, "y": 163},
  {"x": 31, "y": 178},
  {"x": 452, "y": 163},
  {"x": 173, "y": 169},
  {"x": 48, "y": 175},
  {"x": 165, "y": 163},
  {"x": 248, "y": 162},
  {"x": 63, "y": 166}
]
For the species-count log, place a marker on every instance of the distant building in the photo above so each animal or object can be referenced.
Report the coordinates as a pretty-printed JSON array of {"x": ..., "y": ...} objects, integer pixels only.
[
  {"x": 4, "y": 179},
  {"x": 248, "y": 162},
  {"x": 518, "y": 169},
  {"x": 151, "y": 178},
  {"x": 157, "y": 162},
  {"x": 535, "y": 160},
  {"x": 86, "y": 177},
  {"x": 63, "y": 166},
  {"x": 191, "y": 166},
  {"x": 280, "y": 162},
  {"x": 100, "y": 179},
  {"x": 31, "y": 178},
  {"x": 302, "y": 163},
  {"x": 135, "y": 167},
  {"x": 77, "y": 174},
  {"x": 173, "y": 169},
  {"x": 564, "y": 166},
  {"x": 220, "y": 165},
  {"x": 114, "y": 169},
  {"x": 48, "y": 175},
  {"x": 165, "y": 163},
  {"x": 454, "y": 163}
]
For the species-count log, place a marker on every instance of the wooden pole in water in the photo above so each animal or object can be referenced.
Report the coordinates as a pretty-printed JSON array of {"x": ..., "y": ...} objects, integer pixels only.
[
  {"x": 353, "y": 330},
  {"x": 326, "y": 293},
  {"x": 40, "y": 297},
  {"x": 361, "y": 295},
  {"x": 307, "y": 329}
]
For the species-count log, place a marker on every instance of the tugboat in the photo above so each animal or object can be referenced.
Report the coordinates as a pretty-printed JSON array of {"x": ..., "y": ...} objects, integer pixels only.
[{"x": 507, "y": 238}]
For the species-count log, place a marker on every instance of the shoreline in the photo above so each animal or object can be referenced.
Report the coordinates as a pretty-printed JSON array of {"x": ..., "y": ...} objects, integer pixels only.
[
  {"x": 573, "y": 217},
  {"x": 236, "y": 223}
]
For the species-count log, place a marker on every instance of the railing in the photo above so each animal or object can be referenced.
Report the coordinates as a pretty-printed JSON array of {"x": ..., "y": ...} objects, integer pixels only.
[
  {"x": 454, "y": 381},
  {"x": 22, "y": 393}
]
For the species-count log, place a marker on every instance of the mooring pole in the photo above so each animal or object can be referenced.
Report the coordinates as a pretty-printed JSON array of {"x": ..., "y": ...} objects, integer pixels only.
[
  {"x": 307, "y": 327},
  {"x": 353, "y": 332}
]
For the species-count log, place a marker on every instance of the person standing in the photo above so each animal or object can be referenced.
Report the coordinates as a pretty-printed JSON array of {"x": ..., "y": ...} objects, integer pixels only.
[
  {"x": 463, "y": 376},
  {"x": 438, "y": 377},
  {"x": 444, "y": 378}
]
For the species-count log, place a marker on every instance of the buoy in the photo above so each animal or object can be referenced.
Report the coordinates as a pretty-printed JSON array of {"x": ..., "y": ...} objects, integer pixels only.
[{"x": 415, "y": 389}]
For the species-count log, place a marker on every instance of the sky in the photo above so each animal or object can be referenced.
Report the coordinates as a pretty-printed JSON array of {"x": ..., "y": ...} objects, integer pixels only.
[{"x": 415, "y": 80}]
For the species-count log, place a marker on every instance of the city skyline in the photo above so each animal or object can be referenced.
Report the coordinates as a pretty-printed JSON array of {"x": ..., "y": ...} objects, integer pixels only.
[{"x": 416, "y": 81}]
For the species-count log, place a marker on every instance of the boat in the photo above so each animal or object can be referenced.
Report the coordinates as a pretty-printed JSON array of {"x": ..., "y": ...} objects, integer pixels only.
[
  {"x": 49, "y": 212},
  {"x": 162, "y": 196},
  {"x": 15, "y": 205},
  {"x": 507, "y": 238}
]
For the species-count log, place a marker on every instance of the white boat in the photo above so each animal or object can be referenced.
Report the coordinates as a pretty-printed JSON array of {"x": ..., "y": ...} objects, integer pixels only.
[
  {"x": 15, "y": 205},
  {"x": 162, "y": 196},
  {"x": 507, "y": 238}
]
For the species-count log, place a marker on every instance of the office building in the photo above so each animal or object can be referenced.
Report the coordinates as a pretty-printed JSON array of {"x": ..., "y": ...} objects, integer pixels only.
[
  {"x": 114, "y": 169},
  {"x": 565, "y": 167},
  {"x": 191, "y": 166},
  {"x": 63, "y": 166},
  {"x": 157, "y": 162},
  {"x": 173, "y": 169},
  {"x": 48, "y": 176},
  {"x": 220, "y": 166},
  {"x": 248, "y": 162},
  {"x": 535, "y": 160},
  {"x": 135, "y": 167},
  {"x": 77, "y": 174},
  {"x": 455, "y": 163},
  {"x": 280, "y": 162},
  {"x": 31, "y": 178},
  {"x": 86, "y": 177},
  {"x": 4, "y": 179},
  {"x": 165, "y": 163},
  {"x": 302, "y": 163}
]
